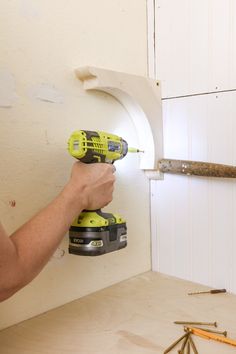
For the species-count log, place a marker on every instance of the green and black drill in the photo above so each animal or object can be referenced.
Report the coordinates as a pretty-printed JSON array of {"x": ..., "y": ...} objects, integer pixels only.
[{"x": 95, "y": 232}]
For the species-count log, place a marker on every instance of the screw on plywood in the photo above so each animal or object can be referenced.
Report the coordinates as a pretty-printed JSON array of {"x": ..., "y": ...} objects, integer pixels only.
[
  {"x": 193, "y": 345},
  {"x": 197, "y": 323},
  {"x": 181, "y": 351},
  {"x": 188, "y": 347},
  {"x": 224, "y": 333},
  {"x": 175, "y": 343}
]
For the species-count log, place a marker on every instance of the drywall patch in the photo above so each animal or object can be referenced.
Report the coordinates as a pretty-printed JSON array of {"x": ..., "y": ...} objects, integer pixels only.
[
  {"x": 47, "y": 93},
  {"x": 29, "y": 10},
  {"x": 8, "y": 96},
  {"x": 59, "y": 253},
  {"x": 46, "y": 137}
]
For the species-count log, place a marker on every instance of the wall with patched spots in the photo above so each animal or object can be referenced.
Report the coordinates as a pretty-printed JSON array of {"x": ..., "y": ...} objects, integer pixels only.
[{"x": 41, "y": 103}]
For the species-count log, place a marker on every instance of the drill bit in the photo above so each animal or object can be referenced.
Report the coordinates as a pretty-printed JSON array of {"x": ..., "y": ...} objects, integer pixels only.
[
  {"x": 131, "y": 149},
  {"x": 214, "y": 291}
]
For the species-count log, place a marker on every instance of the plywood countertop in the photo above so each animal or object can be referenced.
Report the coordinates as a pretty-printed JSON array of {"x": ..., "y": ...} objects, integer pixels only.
[{"x": 134, "y": 316}]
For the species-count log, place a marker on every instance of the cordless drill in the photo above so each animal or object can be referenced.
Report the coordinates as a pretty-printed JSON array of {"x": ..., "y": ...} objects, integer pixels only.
[{"x": 95, "y": 232}]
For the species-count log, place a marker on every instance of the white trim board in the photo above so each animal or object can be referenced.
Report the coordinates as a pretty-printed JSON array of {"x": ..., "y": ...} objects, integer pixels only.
[
  {"x": 151, "y": 38},
  {"x": 151, "y": 55}
]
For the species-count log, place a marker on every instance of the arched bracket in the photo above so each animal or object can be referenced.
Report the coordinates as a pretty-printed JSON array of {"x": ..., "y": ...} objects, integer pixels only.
[{"x": 141, "y": 97}]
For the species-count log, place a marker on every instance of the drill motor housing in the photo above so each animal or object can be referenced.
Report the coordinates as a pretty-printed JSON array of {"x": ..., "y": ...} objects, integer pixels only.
[{"x": 91, "y": 147}]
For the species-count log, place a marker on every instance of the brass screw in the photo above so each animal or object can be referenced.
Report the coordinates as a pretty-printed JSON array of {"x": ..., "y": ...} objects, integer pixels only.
[
  {"x": 197, "y": 323},
  {"x": 188, "y": 347},
  {"x": 212, "y": 331},
  {"x": 181, "y": 351},
  {"x": 175, "y": 343},
  {"x": 193, "y": 345}
]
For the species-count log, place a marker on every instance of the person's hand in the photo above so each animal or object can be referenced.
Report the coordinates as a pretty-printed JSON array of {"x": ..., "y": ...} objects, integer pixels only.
[{"x": 92, "y": 184}]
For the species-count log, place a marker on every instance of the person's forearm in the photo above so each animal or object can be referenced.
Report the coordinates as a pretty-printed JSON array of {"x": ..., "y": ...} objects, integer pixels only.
[
  {"x": 25, "y": 253},
  {"x": 35, "y": 242}
]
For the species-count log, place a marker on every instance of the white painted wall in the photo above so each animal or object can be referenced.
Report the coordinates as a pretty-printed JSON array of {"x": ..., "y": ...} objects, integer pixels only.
[
  {"x": 41, "y": 103},
  {"x": 195, "y": 46},
  {"x": 193, "y": 218}
]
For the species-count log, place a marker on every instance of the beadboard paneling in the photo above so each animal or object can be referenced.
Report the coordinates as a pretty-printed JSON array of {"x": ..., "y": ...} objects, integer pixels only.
[{"x": 195, "y": 217}]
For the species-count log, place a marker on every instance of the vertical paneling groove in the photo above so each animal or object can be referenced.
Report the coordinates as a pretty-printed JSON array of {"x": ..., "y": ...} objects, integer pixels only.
[
  {"x": 230, "y": 54},
  {"x": 209, "y": 236},
  {"x": 209, "y": 182},
  {"x": 209, "y": 46},
  {"x": 190, "y": 221},
  {"x": 232, "y": 282},
  {"x": 155, "y": 241},
  {"x": 190, "y": 229},
  {"x": 231, "y": 200},
  {"x": 233, "y": 249}
]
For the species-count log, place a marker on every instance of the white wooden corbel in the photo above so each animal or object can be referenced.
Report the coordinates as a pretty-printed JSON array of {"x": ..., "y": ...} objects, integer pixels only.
[{"x": 141, "y": 97}]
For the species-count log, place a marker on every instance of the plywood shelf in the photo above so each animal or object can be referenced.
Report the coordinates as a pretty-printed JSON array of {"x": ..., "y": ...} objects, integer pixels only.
[{"x": 134, "y": 316}]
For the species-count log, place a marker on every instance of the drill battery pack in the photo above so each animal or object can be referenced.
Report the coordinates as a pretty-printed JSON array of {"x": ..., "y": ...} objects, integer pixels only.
[{"x": 95, "y": 233}]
